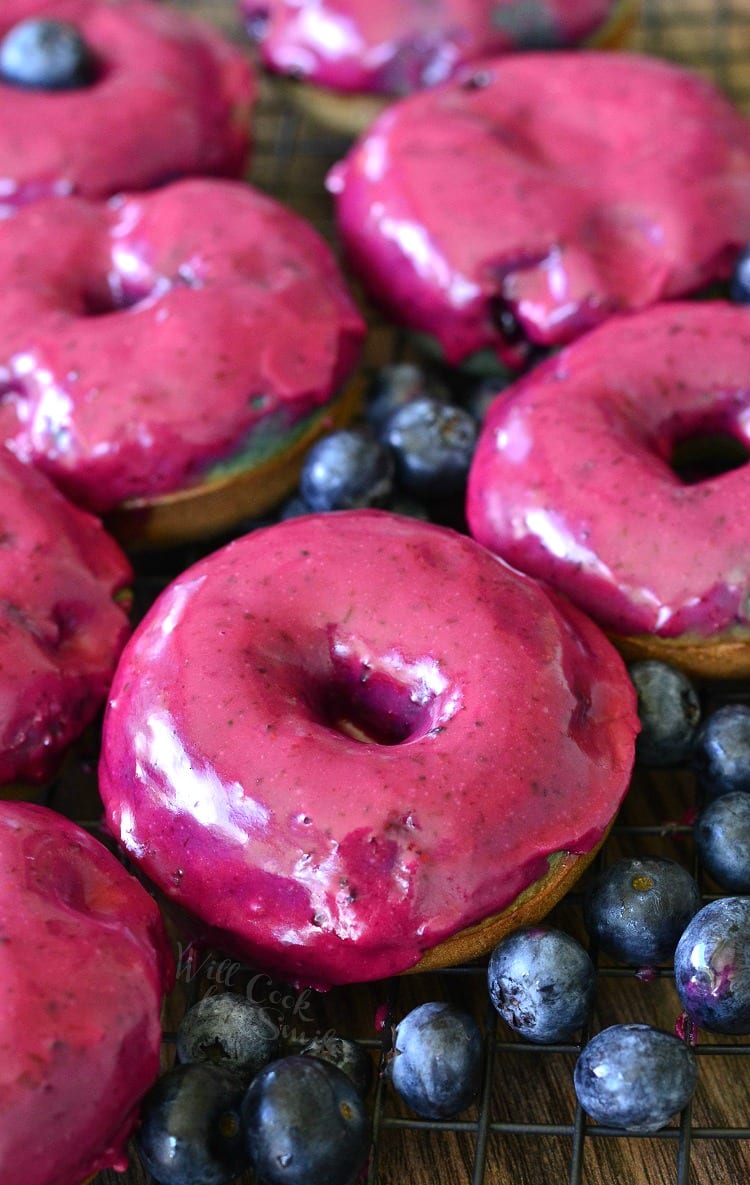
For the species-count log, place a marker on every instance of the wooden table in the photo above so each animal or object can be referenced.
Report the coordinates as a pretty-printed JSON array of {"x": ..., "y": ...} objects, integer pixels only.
[{"x": 527, "y": 1130}]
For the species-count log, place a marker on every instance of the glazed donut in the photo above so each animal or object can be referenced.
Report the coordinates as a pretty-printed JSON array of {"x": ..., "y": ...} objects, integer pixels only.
[
  {"x": 62, "y": 621},
  {"x": 170, "y": 353},
  {"x": 340, "y": 771},
  {"x": 84, "y": 963},
  {"x": 583, "y": 477},
  {"x": 169, "y": 97},
  {"x": 358, "y": 55},
  {"x": 540, "y": 194}
]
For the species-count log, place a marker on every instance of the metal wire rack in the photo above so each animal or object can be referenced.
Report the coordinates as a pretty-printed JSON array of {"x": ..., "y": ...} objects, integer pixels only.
[{"x": 526, "y": 1127}]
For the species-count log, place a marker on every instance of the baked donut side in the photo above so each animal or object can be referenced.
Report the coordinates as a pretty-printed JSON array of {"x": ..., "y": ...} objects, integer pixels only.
[
  {"x": 341, "y": 740},
  {"x": 617, "y": 472}
]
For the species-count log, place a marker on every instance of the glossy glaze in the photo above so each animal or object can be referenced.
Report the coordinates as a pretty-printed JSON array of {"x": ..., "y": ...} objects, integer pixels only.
[
  {"x": 553, "y": 187},
  {"x": 61, "y": 631},
  {"x": 84, "y": 964},
  {"x": 171, "y": 98},
  {"x": 572, "y": 480},
  {"x": 145, "y": 340},
  {"x": 341, "y": 739},
  {"x": 395, "y": 46}
]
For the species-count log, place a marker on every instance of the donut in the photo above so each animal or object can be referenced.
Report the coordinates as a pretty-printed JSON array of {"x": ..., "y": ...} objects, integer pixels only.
[
  {"x": 168, "y": 97},
  {"x": 351, "y": 744},
  {"x": 524, "y": 204},
  {"x": 166, "y": 358},
  {"x": 63, "y": 623},
  {"x": 349, "y": 57},
  {"x": 616, "y": 471},
  {"x": 85, "y": 963}
]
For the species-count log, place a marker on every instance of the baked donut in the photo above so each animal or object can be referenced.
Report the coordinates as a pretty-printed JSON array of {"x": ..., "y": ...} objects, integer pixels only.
[
  {"x": 169, "y": 356},
  {"x": 168, "y": 97},
  {"x": 353, "y": 743},
  {"x": 348, "y": 58},
  {"x": 528, "y": 201},
  {"x": 84, "y": 963},
  {"x": 603, "y": 473},
  {"x": 63, "y": 585}
]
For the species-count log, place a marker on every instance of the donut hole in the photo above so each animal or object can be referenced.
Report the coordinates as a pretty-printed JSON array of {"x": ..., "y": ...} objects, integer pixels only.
[
  {"x": 706, "y": 455},
  {"x": 100, "y": 300},
  {"x": 380, "y": 711}
]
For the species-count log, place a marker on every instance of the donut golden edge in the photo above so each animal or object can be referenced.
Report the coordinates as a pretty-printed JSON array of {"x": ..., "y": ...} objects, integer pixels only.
[{"x": 726, "y": 656}]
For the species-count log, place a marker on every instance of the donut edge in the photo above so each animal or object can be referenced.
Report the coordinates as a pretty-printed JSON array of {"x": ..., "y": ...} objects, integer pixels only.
[{"x": 725, "y": 656}]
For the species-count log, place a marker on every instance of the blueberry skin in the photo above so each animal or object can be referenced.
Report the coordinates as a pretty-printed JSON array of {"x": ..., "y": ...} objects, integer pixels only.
[
  {"x": 739, "y": 285},
  {"x": 722, "y": 840},
  {"x": 637, "y": 909},
  {"x": 345, "y": 470},
  {"x": 45, "y": 55},
  {"x": 228, "y": 1030},
  {"x": 542, "y": 983},
  {"x": 433, "y": 444},
  {"x": 348, "y": 1056},
  {"x": 392, "y": 387},
  {"x": 436, "y": 1063},
  {"x": 635, "y": 1077},
  {"x": 721, "y": 758},
  {"x": 305, "y": 1124},
  {"x": 669, "y": 712},
  {"x": 712, "y": 966},
  {"x": 190, "y": 1131}
]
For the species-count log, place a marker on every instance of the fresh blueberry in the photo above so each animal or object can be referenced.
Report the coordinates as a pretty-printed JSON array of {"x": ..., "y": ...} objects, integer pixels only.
[
  {"x": 46, "y": 55},
  {"x": 721, "y": 758},
  {"x": 393, "y": 386},
  {"x": 722, "y": 840},
  {"x": 436, "y": 1061},
  {"x": 739, "y": 286},
  {"x": 637, "y": 909},
  {"x": 669, "y": 712},
  {"x": 433, "y": 444},
  {"x": 542, "y": 983},
  {"x": 305, "y": 1124},
  {"x": 230, "y": 1031},
  {"x": 347, "y": 1055},
  {"x": 480, "y": 399},
  {"x": 635, "y": 1077},
  {"x": 347, "y": 469},
  {"x": 190, "y": 1131},
  {"x": 712, "y": 966}
]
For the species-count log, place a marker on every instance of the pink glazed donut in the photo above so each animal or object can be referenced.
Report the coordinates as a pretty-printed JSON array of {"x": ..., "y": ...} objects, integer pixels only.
[
  {"x": 170, "y": 97},
  {"x": 530, "y": 201},
  {"x": 62, "y": 621},
  {"x": 172, "y": 353},
  {"x": 353, "y": 743},
  {"x": 603, "y": 473},
  {"x": 84, "y": 964}
]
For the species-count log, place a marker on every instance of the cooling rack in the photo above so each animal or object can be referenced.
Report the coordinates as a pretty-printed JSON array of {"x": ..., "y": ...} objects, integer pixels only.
[{"x": 526, "y": 1128}]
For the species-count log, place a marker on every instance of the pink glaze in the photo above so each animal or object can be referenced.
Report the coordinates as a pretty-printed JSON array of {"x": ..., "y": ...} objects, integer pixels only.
[
  {"x": 339, "y": 740},
  {"x": 171, "y": 98},
  {"x": 571, "y": 481},
  {"x": 61, "y": 632},
  {"x": 558, "y": 188},
  {"x": 84, "y": 964},
  {"x": 396, "y": 46},
  {"x": 145, "y": 340}
]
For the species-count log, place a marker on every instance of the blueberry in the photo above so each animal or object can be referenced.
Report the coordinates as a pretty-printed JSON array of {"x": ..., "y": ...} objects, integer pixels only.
[
  {"x": 346, "y": 469},
  {"x": 712, "y": 966},
  {"x": 722, "y": 840},
  {"x": 637, "y": 909},
  {"x": 348, "y": 1056},
  {"x": 542, "y": 983},
  {"x": 433, "y": 444},
  {"x": 392, "y": 387},
  {"x": 436, "y": 1061},
  {"x": 305, "y": 1124},
  {"x": 190, "y": 1131},
  {"x": 480, "y": 399},
  {"x": 45, "y": 54},
  {"x": 722, "y": 751},
  {"x": 635, "y": 1077},
  {"x": 230, "y": 1031},
  {"x": 669, "y": 712},
  {"x": 739, "y": 286}
]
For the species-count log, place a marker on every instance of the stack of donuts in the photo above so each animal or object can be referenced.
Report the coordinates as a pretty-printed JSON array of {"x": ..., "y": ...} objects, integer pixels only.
[{"x": 343, "y": 745}]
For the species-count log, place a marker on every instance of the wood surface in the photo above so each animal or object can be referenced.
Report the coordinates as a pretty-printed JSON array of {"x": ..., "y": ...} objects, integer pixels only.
[{"x": 526, "y": 1085}]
